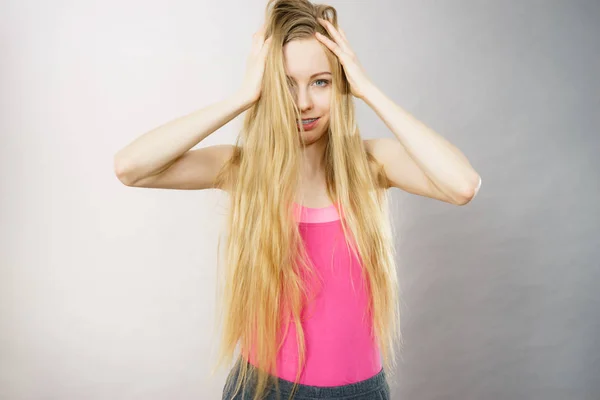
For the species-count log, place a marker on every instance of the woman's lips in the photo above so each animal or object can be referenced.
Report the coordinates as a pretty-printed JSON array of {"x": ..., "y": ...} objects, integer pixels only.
[{"x": 310, "y": 126}]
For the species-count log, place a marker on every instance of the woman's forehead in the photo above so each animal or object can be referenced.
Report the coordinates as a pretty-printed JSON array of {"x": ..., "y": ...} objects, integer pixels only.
[{"x": 303, "y": 58}]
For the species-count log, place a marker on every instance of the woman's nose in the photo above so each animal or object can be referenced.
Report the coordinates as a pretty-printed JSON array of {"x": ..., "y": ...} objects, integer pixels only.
[{"x": 304, "y": 101}]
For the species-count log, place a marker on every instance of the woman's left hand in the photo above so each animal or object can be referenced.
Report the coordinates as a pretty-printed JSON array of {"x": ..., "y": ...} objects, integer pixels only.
[{"x": 359, "y": 82}]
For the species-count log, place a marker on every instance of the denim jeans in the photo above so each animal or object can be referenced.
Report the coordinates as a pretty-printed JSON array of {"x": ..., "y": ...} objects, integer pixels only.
[{"x": 374, "y": 388}]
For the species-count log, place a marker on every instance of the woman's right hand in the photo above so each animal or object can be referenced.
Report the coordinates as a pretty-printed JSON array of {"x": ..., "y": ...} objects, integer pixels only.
[{"x": 255, "y": 67}]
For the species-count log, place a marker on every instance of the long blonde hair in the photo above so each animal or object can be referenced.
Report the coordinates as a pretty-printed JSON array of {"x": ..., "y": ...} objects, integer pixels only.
[{"x": 264, "y": 256}]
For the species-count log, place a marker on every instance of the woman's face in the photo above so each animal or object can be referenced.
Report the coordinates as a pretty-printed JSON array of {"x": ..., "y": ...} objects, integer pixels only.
[{"x": 309, "y": 77}]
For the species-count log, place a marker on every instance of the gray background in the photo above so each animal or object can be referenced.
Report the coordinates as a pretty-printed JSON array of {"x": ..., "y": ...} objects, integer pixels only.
[{"x": 107, "y": 292}]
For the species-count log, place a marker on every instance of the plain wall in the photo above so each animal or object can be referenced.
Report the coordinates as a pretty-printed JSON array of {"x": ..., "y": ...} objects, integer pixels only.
[{"x": 108, "y": 292}]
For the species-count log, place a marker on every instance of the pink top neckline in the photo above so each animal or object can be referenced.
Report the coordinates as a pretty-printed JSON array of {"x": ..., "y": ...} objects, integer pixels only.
[{"x": 315, "y": 215}]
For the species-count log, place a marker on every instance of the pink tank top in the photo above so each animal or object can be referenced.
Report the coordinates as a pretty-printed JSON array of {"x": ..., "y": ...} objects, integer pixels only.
[{"x": 337, "y": 328}]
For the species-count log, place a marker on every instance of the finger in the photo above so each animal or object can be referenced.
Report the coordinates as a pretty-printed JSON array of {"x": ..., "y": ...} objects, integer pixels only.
[
  {"x": 258, "y": 39},
  {"x": 331, "y": 45},
  {"x": 333, "y": 33},
  {"x": 266, "y": 44},
  {"x": 260, "y": 33}
]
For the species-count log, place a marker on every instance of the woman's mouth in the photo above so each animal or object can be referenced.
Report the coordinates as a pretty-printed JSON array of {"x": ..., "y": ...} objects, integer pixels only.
[{"x": 309, "y": 123}]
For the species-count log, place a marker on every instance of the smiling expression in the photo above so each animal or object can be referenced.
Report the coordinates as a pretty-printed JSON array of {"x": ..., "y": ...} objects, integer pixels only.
[{"x": 309, "y": 79}]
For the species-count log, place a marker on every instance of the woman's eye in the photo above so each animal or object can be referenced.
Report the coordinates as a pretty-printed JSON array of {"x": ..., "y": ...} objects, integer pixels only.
[{"x": 325, "y": 82}]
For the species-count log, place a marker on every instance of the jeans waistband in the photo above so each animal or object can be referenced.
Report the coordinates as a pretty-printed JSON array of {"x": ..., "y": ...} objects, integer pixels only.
[{"x": 366, "y": 386}]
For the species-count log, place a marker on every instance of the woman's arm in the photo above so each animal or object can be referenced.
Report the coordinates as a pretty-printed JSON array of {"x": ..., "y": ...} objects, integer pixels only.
[
  {"x": 156, "y": 150},
  {"x": 451, "y": 177},
  {"x": 153, "y": 153},
  {"x": 421, "y": 161}
]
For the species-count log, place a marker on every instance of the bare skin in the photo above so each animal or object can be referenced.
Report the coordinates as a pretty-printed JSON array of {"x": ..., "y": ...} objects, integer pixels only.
[
  {"x": 418, "y": 160},
  {"x": 309, "y": 75}
]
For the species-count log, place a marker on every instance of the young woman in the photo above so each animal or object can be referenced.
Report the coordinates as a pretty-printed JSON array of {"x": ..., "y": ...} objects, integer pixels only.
[{"x": 310, "y": 293}]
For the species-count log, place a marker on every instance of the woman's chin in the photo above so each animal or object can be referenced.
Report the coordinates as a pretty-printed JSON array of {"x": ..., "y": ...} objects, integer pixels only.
[{"x": 310, "y": 137}]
